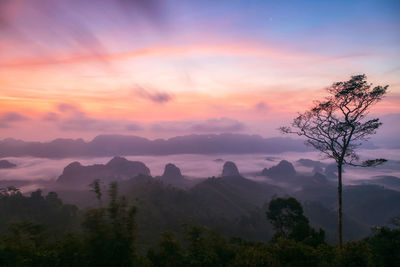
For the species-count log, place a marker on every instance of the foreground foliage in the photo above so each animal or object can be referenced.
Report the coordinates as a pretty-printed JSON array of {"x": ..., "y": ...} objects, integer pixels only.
[{"x": 108, "y": 238}]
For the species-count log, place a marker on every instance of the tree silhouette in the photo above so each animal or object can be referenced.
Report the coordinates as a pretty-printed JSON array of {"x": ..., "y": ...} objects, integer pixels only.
[
  {"x": 337, "y": 126},
  {"x": 287, "y": 217},
  {"x": 110, "y": 231}
]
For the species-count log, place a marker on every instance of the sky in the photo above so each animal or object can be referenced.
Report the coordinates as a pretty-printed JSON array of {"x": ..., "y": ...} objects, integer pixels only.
[{"x": 161, "y": 68}]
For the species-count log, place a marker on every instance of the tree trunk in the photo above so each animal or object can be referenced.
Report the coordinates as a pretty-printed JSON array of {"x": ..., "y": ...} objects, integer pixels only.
[{"x": 340, "y": 241}]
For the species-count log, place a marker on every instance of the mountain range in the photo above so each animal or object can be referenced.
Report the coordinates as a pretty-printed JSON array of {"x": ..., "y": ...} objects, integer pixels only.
[
  {"x": 111, "y": 145},
  {"x": 231, "y": 201}
]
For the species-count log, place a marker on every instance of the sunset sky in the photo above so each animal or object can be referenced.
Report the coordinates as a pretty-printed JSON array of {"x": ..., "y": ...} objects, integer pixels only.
[{"x": 80, "y": 68}]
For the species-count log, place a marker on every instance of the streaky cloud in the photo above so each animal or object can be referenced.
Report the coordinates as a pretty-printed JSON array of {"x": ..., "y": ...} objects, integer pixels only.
[{"x": 152, "y": 95}]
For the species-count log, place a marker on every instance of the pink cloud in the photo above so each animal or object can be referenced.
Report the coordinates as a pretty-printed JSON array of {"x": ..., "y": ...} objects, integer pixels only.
[{"x": 152, "y": 95}]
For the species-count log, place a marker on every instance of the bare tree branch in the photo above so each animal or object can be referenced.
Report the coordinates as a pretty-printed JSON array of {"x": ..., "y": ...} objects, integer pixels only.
[{"x": 336, "y": 126}]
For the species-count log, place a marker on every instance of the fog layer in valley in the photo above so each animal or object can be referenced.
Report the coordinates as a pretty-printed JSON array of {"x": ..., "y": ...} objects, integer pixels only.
[{"x": 202, "y": 166}]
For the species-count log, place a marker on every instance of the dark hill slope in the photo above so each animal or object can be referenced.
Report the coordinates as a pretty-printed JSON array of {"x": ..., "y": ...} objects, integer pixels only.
[
  {"x": 372, "y": 204},
  {"x": 390, "y": 182},
  {"x": 233, "y": 196},
  {"x": 367, "y": 204}
]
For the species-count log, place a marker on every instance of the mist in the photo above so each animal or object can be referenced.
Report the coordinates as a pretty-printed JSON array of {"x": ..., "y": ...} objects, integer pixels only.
[{"x": 202, "y": 166}]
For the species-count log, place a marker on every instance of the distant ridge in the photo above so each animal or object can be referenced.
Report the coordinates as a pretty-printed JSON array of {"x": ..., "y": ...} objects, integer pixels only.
[
  {"x": 116, "y": 169},
  {"x": 5, "y": 164},
  {"x": 284, "y": 170},
  {"x": 125, "y": 145}
]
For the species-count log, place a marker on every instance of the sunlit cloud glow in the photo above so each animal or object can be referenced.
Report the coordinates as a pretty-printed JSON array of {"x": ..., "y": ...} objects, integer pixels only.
[{"x": 126, "y": 66}]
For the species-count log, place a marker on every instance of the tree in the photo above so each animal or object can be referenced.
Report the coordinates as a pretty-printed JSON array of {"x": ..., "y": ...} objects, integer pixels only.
[
  {"x": 385, "y": 245},
  {"x": 110, "y": 231},
  {"x": 286, "y": 216},
  {"x": 169, "y": 252},
  {"x": 337, "y": 126}
]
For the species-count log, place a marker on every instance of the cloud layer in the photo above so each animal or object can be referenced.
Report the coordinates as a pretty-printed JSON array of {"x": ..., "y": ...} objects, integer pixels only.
[{"x": 8, "y": 118}]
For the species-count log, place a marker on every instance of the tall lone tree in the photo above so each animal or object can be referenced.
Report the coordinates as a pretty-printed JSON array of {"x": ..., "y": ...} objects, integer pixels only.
[{"x": 337, "y": 126}]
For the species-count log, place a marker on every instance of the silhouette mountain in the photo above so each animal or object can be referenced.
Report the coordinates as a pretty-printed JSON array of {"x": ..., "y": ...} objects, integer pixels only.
[
  {"x": 5, "y": 164},
  {"x": 116, "y": 169},
  {"x": 171, "y": 172},
  {"x": 230, "y": 169},
  {"x": 127, "y": 168},
  {"x": 284, "y": 170},
  {"x": 110, "y": 145},
  {"x": 232, "y": 200},
  {"x": 172, "y": 176}
]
